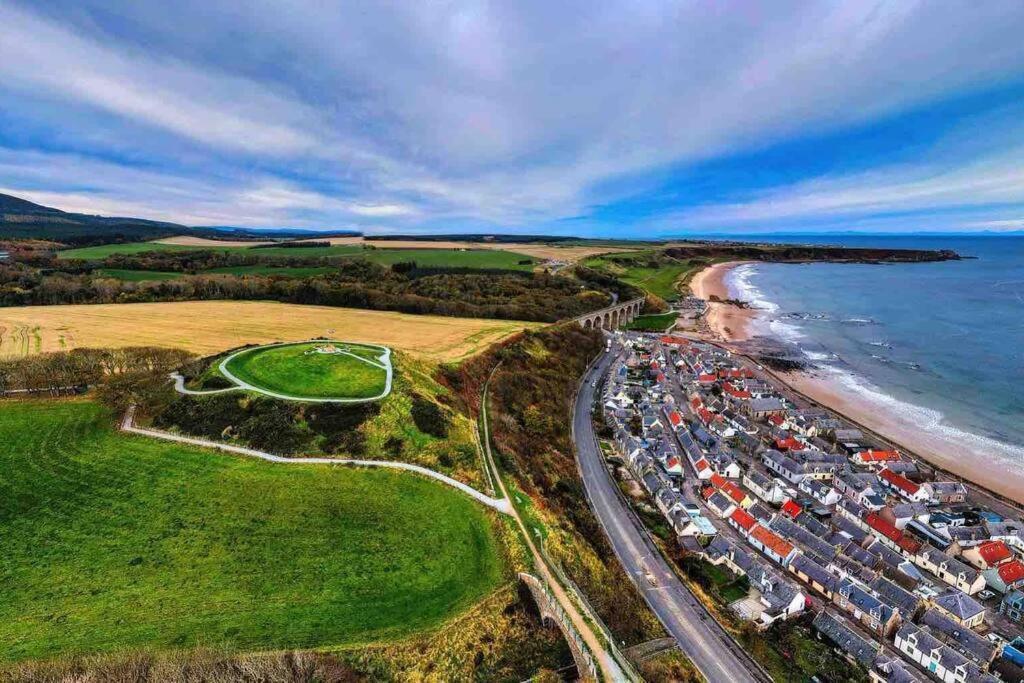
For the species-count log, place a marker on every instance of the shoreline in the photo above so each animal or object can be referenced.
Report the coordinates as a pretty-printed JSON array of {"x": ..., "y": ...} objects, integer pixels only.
[
  {"x": 975, "y": 466},
  {"x": 727, "y": 322}
]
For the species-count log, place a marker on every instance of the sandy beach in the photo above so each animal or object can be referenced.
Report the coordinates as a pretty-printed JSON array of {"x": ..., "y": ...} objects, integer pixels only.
[
  {"x": 975, "y": 464},
  {"x": 727, "y": 322},
  {"x": 972, "y": 459}
]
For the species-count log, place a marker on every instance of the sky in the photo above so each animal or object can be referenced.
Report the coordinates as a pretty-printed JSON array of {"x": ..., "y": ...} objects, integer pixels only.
[{"x": 607, "y": 119}]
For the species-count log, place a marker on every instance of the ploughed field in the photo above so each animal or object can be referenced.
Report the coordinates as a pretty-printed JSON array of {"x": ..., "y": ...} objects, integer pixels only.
[
  {"x": 209, "y": 327},
  {"x": 113, "y": 542},
  {"x": 347, "y": 371}
]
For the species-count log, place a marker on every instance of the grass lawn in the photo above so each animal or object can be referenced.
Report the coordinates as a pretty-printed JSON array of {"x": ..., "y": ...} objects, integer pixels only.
[
  {"x": 104, "y": 250},
  {"x": 298, "y": 370},
  {"x": 137, "y": 275},
  {"x": 652, "y": 323},
  {"x": 113, "y": 542}
]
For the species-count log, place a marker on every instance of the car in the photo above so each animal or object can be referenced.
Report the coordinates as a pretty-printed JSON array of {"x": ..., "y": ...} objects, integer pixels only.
[
  {"x": 985, "y": 594},
  {"x": 994, "y": 638}
]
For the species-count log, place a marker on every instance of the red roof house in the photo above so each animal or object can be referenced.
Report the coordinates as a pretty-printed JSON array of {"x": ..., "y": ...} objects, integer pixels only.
[
  {"x": 742, "y": 519},
  {"x": 1011, "y": 573},
  {"x": 889, "y": 531},
  {"x": 790, "y": 443},
  {"x": 994, "y": 552},
  {"x": 675, "y": 418},
  {"x": 791, "y": 508}
]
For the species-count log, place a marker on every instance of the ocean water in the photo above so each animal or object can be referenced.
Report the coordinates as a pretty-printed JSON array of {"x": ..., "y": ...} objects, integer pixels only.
[{"x": 939, "y": 343}]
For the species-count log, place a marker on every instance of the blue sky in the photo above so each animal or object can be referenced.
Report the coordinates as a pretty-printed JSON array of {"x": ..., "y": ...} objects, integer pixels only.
[{"x": 626, "y": 119}]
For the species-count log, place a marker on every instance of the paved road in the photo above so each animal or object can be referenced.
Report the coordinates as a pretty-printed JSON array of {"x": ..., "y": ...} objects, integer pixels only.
[
  {"x": 500, "y": 504},
  {"x": 700, "y": 637}
]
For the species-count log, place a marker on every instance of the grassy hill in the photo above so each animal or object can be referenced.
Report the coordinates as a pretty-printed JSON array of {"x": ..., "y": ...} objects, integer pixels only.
[
  {"x": 112, "y": 542},
  {"x": 22, "y": 219}
]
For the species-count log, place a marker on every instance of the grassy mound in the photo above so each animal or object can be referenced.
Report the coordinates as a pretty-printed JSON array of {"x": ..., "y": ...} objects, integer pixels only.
[
  {"x": 302, "y": 371},
  {"x": 114, "y": 542}
]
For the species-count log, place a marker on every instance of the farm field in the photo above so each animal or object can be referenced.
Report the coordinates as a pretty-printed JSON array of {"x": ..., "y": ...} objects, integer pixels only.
[
  {"x": 138, "y": 275},
  {"x": 207, "y": 327},
  {"x": 105, "y": 549},
  {"x": 302, "y": 371},
  {"x": 539, "y": 250},
  {"x": 432, "y": 257}
]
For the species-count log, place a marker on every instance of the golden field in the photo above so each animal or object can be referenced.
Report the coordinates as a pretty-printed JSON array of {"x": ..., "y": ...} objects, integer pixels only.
[
  {"x": 536, "y": 250},
  {"x": 207, "y": 327}
]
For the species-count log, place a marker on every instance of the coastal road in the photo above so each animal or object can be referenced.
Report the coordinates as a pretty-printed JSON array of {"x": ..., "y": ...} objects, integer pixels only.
[{"x": 717, "y": 656}]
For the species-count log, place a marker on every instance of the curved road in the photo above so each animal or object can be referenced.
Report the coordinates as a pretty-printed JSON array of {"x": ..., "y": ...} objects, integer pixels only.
[{"x": 700, "y": 637}]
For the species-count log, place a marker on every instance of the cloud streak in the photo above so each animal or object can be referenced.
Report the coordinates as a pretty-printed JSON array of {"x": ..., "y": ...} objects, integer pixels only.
[{"x": 496, "y": 115}]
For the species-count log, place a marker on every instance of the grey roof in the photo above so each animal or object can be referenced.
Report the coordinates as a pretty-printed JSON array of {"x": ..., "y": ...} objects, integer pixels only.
[
  {"x": 897, "y": 671},
  {"x": 802, "y": 536},
  {"x": 865, "y": 601},
  {"x": 719, "y": 547},
  {"x": 761, "y": 512},
  {"x": 850, "y": 529},
  {"x": 853, "y": 507},
  {"x": 763, "y": 405},
  {"x": 968, "y": 533},
  {"x": 855, "y": 552},
  {"x": 805, "y": 565},
  {"x": 846, "y": 639},
  {"x": 959, "y": 604},
  {"x": 960, "y": 638},
  {"x": 947, "y": 656},
  {"x": 720, "y": 501},
  {"x": 953, "y": 565},
  {"x": 896, "y": 595},
  {"x": 811, "y": 524}
]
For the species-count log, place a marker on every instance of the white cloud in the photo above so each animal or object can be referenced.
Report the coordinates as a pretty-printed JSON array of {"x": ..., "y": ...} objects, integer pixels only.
[{"x": 508, "y": 113}]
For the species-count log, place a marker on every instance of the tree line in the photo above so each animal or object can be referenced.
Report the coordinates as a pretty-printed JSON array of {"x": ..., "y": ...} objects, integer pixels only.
[{"x": 355, "y": 283}]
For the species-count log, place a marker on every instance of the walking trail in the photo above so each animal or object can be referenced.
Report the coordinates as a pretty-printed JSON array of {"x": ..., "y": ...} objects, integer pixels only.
[{"x": 128, "y": 425}]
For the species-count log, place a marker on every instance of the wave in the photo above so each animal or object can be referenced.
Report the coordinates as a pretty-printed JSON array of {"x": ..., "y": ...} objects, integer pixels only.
[
  {"x": 741, "y": 287},
  {"x": 927, "y": 421}
]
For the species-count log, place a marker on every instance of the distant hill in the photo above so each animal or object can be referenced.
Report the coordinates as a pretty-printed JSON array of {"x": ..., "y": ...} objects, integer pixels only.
[{"x": 22, "y": 219}]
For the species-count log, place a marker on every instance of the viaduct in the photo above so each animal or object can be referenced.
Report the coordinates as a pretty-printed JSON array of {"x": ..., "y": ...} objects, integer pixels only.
[{"x": 613, "y": 316}]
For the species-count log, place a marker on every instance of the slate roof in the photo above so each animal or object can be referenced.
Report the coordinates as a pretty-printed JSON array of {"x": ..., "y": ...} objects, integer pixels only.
[
  {"x": 959, "y": 637},
  {"x": 959, "y": 604},
  {"x": 846, "y": 639}
]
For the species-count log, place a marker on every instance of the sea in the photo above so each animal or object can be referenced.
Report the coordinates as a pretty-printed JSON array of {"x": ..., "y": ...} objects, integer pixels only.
[{"x": 940, "y": 344}]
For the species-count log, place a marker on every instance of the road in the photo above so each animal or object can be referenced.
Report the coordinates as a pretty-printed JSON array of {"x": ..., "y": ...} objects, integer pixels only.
[{"x": 700, "y": 637}]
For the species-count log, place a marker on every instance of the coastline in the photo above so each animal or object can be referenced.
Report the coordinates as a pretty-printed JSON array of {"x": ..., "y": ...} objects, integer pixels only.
[
  {"x": 727, "y": 322},
  {"x": 974, "y": 463}
]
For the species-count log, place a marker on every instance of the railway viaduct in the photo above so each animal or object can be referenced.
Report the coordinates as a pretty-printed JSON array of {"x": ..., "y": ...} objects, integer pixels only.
[{"x": 611, "y": 317}]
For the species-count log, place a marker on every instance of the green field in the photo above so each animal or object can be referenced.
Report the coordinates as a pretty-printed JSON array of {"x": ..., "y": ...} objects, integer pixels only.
[
  {"x": 652, "y": 323},
  {"x": 660, "y": 280},
  {"x": 428, "y": 258},
  {"x": 137, "y": 275},
  {"x": 297, "y": 370},
  {"x": 281, "y": 271},
  {"x": 113, "y": 542}
]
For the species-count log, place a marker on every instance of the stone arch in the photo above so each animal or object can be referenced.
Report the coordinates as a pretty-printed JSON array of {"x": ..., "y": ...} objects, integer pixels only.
[
  {"x": 597, "y": 323},
  {"x": 587, "y": 324},
  {"x": 607, "y": 320},
  {"x": 615, "y": 319}
]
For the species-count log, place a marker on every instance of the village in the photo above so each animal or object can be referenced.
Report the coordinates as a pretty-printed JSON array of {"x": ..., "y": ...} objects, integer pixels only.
[{"x": 907, "y": 572}]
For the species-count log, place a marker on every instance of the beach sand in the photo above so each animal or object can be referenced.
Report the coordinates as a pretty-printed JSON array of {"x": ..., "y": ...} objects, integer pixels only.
[
  {"x": 974, "y": 464},
  {"x": 732, "y": 325},
  {"x": 727, "y": 322}
]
